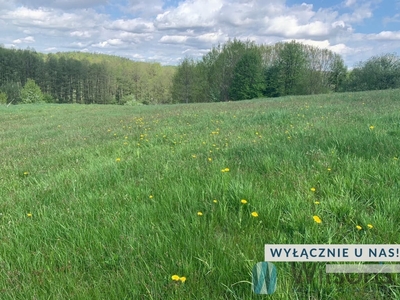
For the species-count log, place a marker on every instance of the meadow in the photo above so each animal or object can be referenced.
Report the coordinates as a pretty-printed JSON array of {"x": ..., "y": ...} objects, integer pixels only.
[{"x": 177, "y": 201}]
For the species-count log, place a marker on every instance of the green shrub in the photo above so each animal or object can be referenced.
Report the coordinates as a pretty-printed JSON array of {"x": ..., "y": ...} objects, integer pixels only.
[
  {"x": 3, "y": 98},
  {"x": 130, "y": 100},
  {"x": 48, "y": 98},
  {"x": 31, "y": 92}
]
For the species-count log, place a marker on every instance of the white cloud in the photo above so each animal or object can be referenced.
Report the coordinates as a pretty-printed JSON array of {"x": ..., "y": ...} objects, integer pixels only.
[
  {"x": 289, "y": 27},
  {"x": 394, "y": 19},
  {"x": 173, "y": 39},
  {"x": 135, "y": 38},
  {"x": 237, "y": 14},
  {"x": 26, "y": 40},
  {"x": 385, "y": 36},
  {"x": 137, "y": 56},
  {"x": 63, "y": 4},
  {"x": 190, "y": 14},
  {"x": 81, "y": 34},
  {"x": 349, "y": 3},
  {"x": 212, "y": 37},
  {"x": 303, "y": 13},
  {"x": 50, "y": 49},
  {"x": 144, "y": 8},
  {"x": 359, "y": 14},
  {"x": 320, "y": 44},
  {"x": 341, "y": 49},
  {"x": 109, "y": 43},
  {"x": 53, "y": 19},
  {"x": 78, "y": 45},
  {"x": 133, "y": 25}
]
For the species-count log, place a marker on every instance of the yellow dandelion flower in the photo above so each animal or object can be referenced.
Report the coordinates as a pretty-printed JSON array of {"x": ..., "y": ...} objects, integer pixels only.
[
  {"x": 358, "y": 227},
  {"x": 329, "y": 169},
  {"x": 317, "y": 202},
  {"x": 175, "y": 277},
  {"x": 151, "y": 196},
  {"x": 370, "y": 226},
  {"x": 29, "y": 215},
  {"x": 26, "y": 173},
  {"x": 199, "y": 213},
  {"x": 117, "y": 159},
  {"x": 194, "y": 156},
  {"x": 226, "y": 169},
  {"x": 215, "y": 201},
  {"x": 312, "y": 189},
  {"x": 317, "y": 219},
  {"x": 243, "y": 201},
  {"x": 182, "y": 279},
  {"x": 209, "y": 159},
  {"x": 254, "y": 214},
  {"x": 371, "y": 127}
]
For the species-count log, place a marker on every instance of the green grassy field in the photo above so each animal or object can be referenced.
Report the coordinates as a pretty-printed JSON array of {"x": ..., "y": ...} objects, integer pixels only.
[{"x": 109, "y": 202}]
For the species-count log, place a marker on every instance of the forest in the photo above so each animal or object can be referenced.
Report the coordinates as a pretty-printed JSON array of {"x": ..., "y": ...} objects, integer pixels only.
[
  {"x": 76, "y": 77},
  {"x": 243, "y": 70},
  {"x": 232, "y": 71}
]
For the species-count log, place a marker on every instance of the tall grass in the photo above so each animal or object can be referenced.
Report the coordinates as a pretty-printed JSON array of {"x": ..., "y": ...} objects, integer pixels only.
[{"x": 108, "y": 202}]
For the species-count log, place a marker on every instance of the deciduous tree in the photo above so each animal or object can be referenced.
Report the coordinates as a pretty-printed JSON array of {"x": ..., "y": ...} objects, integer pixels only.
[{"x": 248, "y": 81}]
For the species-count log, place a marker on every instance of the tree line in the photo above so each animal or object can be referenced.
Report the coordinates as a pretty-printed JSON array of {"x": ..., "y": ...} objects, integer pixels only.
[
  {"x": 233, "y": 71},
  {"x": 243, "y": 70},
  {"x": 85, "y": 78}
]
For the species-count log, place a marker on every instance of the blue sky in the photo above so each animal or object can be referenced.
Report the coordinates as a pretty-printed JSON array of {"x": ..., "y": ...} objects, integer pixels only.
[{"x": 168, "y": 30}]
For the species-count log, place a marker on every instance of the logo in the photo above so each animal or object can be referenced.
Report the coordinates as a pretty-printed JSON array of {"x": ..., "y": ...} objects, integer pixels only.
[{"x": 265, "y": 274}]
